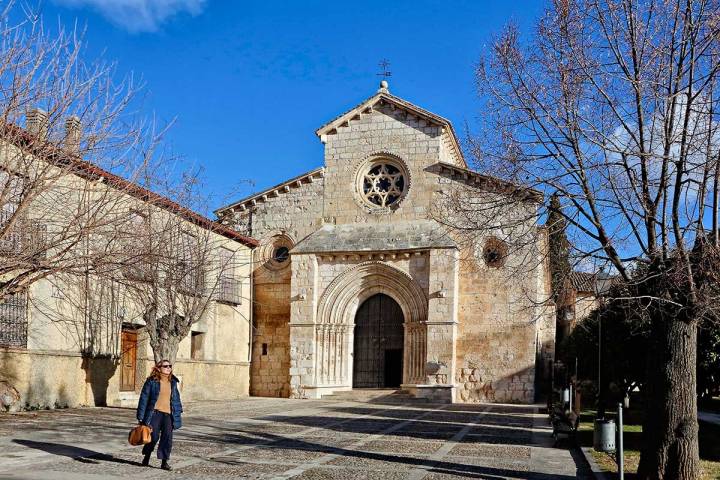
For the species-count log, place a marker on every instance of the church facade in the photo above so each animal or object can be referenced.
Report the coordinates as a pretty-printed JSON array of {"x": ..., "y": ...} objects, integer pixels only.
[{"x": 358, "y": 284}]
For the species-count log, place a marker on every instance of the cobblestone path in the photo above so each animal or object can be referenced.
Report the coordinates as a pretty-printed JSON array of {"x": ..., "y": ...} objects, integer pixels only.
[{"x": 300, "y": 439}]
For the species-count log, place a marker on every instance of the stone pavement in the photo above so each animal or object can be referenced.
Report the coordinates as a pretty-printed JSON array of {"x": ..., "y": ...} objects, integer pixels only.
[{"x": 301, "y": 439}]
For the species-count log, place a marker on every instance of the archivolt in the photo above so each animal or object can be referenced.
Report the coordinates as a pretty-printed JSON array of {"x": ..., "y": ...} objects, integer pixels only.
[{"x": 342, "y": 297}]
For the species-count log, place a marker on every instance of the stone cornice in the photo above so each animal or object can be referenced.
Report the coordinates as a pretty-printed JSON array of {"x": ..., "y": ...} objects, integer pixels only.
[
  {"x": 486, "y": 182},
  {"x": 272, "y": 192}
]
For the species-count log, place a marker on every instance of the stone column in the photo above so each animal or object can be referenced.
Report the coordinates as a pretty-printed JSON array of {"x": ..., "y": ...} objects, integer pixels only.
[
  {"x": 441, "y": 326},
  {"x": 303, "y": 306}
]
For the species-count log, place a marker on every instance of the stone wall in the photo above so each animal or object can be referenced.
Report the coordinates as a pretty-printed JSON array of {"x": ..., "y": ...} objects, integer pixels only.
[
  {"x": 271, "y": 340},
  {"x": 385, "y": 131},
  {"x": 503, "y": 332},
  {"x": 296, "y": 211},
  {"x": 282, "y": 219},
  {"x": 57, "y": 379}
]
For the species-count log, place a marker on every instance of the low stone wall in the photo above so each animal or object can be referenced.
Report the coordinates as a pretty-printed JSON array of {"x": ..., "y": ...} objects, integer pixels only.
[
  {"x": 56, "y": 379},
  {"x": 210, "y": 380},
  {"x": 44, "y": 379}
]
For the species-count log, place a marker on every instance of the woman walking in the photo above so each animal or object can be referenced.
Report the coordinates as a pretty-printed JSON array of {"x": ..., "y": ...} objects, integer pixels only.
[{"x": 160, "y": 408}]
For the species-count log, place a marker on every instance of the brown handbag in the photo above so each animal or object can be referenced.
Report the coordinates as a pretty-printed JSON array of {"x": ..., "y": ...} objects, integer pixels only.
[{"x": 140, "y": 435}]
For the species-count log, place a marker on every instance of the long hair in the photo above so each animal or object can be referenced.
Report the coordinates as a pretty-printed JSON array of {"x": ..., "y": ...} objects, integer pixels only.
[{"x": 155, "y": 373}]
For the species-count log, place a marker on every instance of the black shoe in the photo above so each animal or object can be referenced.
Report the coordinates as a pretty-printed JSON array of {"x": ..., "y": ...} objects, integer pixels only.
[
  {"x": 146, "y": 460},
  {"x": 165, "y": 466}
]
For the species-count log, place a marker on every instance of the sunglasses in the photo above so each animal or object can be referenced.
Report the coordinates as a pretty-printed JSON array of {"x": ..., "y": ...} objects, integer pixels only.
[{"x": 167, "y": 365}]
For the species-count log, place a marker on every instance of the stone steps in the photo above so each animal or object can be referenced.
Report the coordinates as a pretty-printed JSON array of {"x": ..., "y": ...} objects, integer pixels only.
[
  {"x": 126, "y": 400},
  {"x": 374, "y": 395}
]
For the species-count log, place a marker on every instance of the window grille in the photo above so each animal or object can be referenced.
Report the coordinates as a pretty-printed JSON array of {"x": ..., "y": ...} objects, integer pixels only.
[
  {"x": 25, "y": 238},
  {"x": 189, "y": 274},
  {"x": 229, "y": 290},
  {"x": 383, "y": 184},
  {"x": 137, "y": 248},
  {"x": 228, "y": 285},
  {"x": 13, "y": 321}
]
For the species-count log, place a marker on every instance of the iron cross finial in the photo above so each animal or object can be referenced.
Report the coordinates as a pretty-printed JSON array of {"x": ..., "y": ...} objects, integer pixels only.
[{"x": 384, "y": 64}]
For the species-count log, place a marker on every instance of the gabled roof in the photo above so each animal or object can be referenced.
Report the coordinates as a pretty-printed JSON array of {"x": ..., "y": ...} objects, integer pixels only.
[
  {"x": 274, "y": 191},
  {"x": 383, "y": 96},
  {"x": 597, "y": 283},
  {"x": 89, "y": 171}
]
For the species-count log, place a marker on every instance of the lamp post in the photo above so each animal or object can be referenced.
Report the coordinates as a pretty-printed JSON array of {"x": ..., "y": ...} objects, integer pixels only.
[{"x": 600, "y": 286}]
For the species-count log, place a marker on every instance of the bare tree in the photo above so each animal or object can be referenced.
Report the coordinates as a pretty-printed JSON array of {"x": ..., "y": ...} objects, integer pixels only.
[
  {"x": 179, "y": 264},
  {"x": 613, "y": 105},
  {"x": 67, "y": 142},
  {"x": 74, "y": 156}
]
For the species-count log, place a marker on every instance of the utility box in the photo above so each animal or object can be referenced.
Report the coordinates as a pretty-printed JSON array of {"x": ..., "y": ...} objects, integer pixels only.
[{"x": 604, "y": 435}]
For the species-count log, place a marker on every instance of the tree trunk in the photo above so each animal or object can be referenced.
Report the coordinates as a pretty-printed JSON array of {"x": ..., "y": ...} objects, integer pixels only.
[
  {"x": 670, "y": 430},
  {"x": 166, "y": 349}
]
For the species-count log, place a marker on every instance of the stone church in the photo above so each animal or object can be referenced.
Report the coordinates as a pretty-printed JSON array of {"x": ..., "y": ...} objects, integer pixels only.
[{"x": 357, "y": 285}]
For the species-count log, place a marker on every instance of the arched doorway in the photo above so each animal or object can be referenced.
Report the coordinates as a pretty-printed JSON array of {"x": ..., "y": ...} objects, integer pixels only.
[{"x": 378, "y": 343}]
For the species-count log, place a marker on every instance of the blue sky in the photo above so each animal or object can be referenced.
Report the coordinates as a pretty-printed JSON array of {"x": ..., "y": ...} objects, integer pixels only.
[{"x": 249, "y": 82}]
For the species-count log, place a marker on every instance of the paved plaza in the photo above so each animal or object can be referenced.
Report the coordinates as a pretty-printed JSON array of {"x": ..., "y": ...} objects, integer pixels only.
[{"x": 301, "y": 439}]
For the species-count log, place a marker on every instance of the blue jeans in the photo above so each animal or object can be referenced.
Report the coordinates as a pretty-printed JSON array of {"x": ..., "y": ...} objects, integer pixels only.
[{"x": 162, "y": 429}]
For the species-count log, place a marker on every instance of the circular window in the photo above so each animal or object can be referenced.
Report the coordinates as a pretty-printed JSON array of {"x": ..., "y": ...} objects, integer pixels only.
[
  {"x": 276, "y": 252},
  {"x": 281, "y": 254},
  {"x": 495, "y": 252},
  {"x": 382, "y": 183}
]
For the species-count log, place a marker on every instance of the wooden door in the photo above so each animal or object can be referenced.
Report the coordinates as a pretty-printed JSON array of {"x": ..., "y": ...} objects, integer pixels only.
[
  {"x": 128, "y": 363},
  {"x": 378, "y": 343}
]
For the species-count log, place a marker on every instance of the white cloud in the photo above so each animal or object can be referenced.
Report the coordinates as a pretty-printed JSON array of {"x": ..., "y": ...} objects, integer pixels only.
[{"x": 138, "y": 15}]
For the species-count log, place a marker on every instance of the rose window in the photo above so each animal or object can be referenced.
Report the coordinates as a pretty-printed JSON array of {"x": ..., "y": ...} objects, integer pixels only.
[{"x": 383, "y": 184}]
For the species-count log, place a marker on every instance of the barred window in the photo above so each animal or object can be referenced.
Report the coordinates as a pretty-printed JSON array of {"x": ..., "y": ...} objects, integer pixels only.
[
  {"x": 229, "y": 287},
  {"x": 137, "y": 247},
  {"x": 11, "y": 192},
  {"x": 189, "y": 274},
  {"x": 25, "y": 238},
  {"x": 13, "y": 321}
]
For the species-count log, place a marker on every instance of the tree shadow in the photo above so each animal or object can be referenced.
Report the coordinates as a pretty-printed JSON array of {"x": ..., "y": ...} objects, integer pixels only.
[
  {"x": 78, "y": 454},
  {"x": 98, "y": 372},
  {"x": 439, "y": 467},
  {"x": 709, "y": 436},
  {"x": 497, "y": 431}
]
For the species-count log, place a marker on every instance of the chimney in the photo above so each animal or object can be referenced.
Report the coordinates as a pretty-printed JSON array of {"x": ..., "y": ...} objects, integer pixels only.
[
  {"x": 73, "y": 134},
  {"x": 37, "y": 122}
]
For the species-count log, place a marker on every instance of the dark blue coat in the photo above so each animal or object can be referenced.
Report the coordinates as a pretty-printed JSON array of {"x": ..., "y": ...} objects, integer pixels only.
[{"x": 148, "y": 398}]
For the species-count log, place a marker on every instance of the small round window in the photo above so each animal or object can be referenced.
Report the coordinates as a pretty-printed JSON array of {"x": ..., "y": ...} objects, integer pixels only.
[
  {"x": 495, "y": 252},
  {"x": 281, "y": 254},
  {"x": 276, "y": 252}
]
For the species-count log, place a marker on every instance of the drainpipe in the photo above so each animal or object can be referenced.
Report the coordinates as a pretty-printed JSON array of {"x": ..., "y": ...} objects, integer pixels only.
[{"x": 252, "y": 309}]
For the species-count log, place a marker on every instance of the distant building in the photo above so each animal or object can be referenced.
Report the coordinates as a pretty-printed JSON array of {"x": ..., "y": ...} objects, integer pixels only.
[{"x": 585, "y": 293}]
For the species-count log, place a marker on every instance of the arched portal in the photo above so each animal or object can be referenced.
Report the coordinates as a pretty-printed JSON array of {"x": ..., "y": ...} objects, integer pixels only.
[
  {"x": 378, "y": 343},
  {"x": 337, "y": 313}
]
